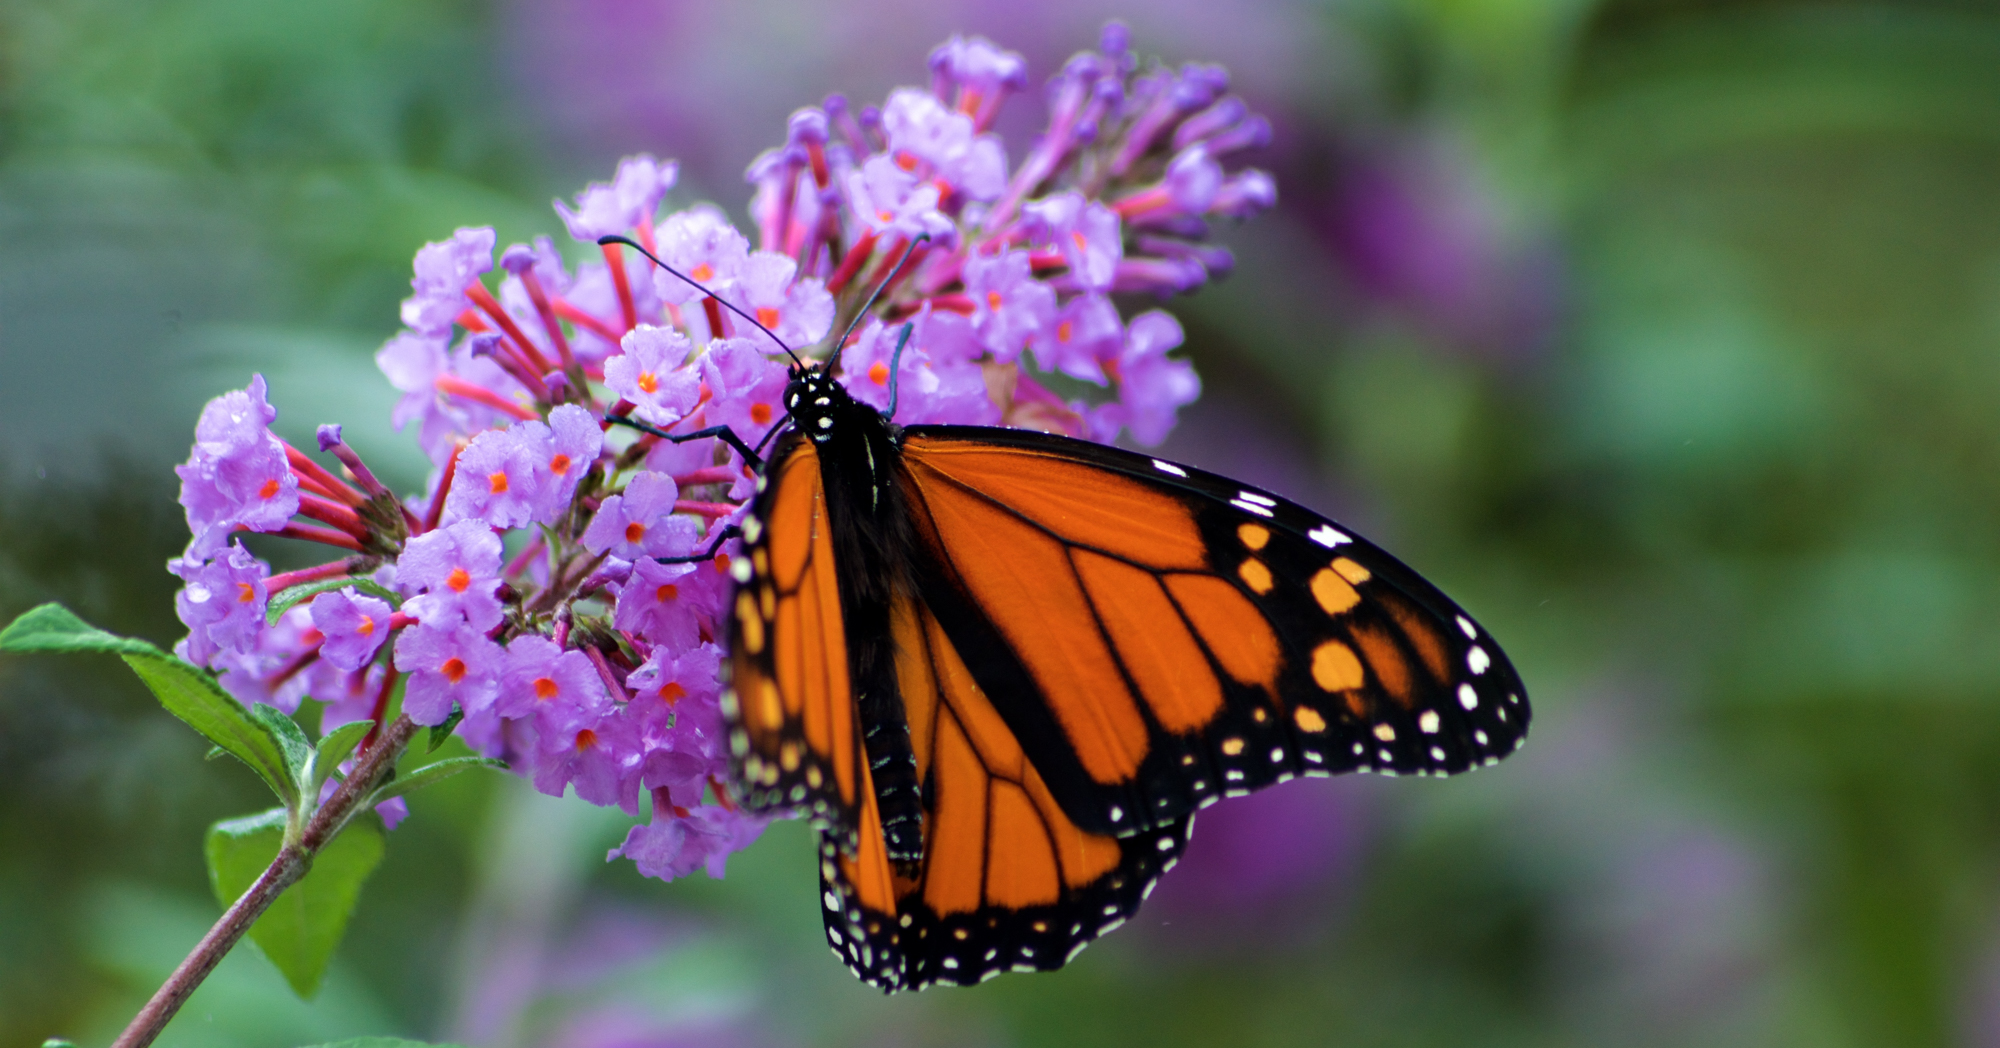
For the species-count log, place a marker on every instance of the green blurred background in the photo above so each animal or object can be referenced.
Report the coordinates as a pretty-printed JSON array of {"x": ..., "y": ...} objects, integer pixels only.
[{"x": 1665, "y": 334}]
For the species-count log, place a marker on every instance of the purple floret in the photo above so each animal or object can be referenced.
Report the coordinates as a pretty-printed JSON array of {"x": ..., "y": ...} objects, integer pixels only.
[
  {"x": 798, "y": 311},
  {"x": 663, "y": 603},
  {"x": 454, "y": 571},
  {"x": 677, "y": 844},
  {"x": 1010, "y": 307},
  {"x": 222, "y": 603},
  {"x": 650, "y": 374},
  {"x": 599, "y": 757},
  {"x": 557, "y": 691},
  {"x": 443, "y": 270},
  {"x": 447, "y": 665},
  {"x": 631, "y": 198},
  {"x": 354, "y": 625},
  {"x": 236, "y": 476},
  {"x": 639, "y": 523},
  {"x": 702, "y": 244}
]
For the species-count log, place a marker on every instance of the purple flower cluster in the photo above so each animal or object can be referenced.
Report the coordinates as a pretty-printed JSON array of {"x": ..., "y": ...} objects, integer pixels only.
[{"x": 541, "y": 588}]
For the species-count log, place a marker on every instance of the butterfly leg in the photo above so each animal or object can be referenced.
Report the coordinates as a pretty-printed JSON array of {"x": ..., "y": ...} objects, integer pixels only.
[
  {"x": 722, "y": 433},
  {"x": 721, "y": 537}
]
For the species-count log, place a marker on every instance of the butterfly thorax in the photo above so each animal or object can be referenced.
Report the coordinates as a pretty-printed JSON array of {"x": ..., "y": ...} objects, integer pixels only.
[{"x": 860, "y": 456}]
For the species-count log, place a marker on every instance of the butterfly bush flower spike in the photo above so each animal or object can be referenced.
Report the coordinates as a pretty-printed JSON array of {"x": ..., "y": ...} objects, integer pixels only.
[{"x": 551, "y": 581}]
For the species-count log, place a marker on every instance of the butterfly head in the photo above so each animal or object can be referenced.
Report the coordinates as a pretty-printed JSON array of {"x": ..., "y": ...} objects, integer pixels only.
[{"x": 818, "y": 403}]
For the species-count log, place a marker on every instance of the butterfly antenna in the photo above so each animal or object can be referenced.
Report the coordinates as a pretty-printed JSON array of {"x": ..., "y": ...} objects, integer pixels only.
[
  {"x": 634, "y": 245},
  {"x": 870, "y": 304}
]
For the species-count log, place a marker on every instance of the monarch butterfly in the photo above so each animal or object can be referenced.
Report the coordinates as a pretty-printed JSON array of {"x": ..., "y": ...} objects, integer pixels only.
[{"x": 1001, "y": 669}]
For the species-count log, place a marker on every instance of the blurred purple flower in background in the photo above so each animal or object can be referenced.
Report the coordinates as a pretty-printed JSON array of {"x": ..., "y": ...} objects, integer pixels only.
[
  {"x": 1265, "y": 871},
  {"x": 1419, "y": 238}
]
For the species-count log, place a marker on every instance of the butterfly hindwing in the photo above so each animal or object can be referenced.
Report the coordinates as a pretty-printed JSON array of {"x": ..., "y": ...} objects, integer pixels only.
[
  {"x": 1158, "y": 637},
  {"x": 1007, "y": 880}
]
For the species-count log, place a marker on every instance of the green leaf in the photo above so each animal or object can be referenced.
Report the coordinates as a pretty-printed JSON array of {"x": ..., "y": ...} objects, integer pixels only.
[
  {"x": 194, "y": 697},
  {"x": 293, "y": 596},
  {"x": 292, "y": 741},
  {"x": 441, "y": 732},
  {"x": 433, "y": 773},
  {"x": 186, "y": 691},
  {"x": 304, "y": 926},
  {"x": 334, "y": 748},
  {"x": 52, "y": 627}
]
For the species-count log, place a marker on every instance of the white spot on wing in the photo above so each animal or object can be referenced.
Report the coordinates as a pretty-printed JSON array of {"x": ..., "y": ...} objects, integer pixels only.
[
  {"x": 1261, "y": 511},
  {"x": 1251, "y": 496},
  {"x": 1477, "y": 660},
  {"x": 1471, "y": 631},
  {"x": 1327, "y": 536},
  {"x": 1468, "y": 697},
  {"x": 1428, "y": 721},
  {"x": 1168, "y": 467}
]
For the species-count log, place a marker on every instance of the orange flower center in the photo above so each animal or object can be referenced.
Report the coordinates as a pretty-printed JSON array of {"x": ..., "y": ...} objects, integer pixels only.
[
  {"x": 667, "y": 592},
  {"x": 269, "y": 489},
  {"x": 453, "y": 669},
  {"x": 559, "y": 465},
  {"x": 367, "y": 627},
  {"x": 1063, "y": 331},
  {"x": 760, "y": 414},
  {"x": 458, "y": 580},
  {"x": 767, "y": 316},
  {"x": 585, "y": 739},
  {"x": 905, "y": 161},
  {"x": 1077, "y": 235},
  {"x": 722, "y": 564},
  {"x": 545, "y": 689},
  {"x": 878, "y": 373},
  {"x": 649, "y": 382},
  {"x": 673, "y": 692},
  {"x": 635, "y": 531},
  {"x": 993, "y": 300},
  {"x": 704, "y": 271},
  {"x": 497, "y": 480},
  {"x": 246, "y": 593}
]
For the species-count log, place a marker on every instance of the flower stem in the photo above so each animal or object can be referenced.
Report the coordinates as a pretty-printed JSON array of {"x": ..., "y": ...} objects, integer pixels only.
[{"x": 291, "y": 864}]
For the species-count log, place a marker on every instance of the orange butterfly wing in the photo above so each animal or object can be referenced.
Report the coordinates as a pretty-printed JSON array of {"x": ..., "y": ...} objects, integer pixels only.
[
  {"x": 1099, "y": 643},
  {"x": 1158, "y": 637},
  {"x": 1007, "y": 881},
  {"x": 795, "y": 736}
]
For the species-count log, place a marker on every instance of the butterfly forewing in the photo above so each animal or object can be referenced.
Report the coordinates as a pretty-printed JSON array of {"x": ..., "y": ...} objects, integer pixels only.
[
  {"x": 1158, "y": 637},
  {"x": 795, "y": 740}
]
